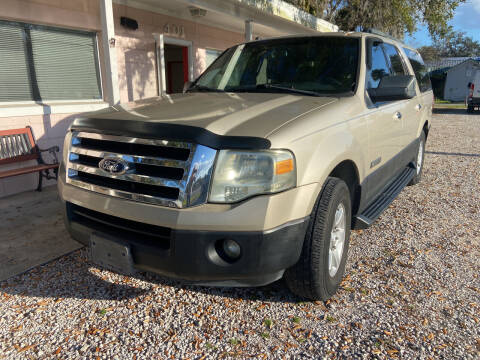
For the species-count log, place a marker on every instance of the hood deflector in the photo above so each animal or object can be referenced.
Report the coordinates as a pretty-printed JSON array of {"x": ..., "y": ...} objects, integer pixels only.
[{"x": 155, "y": 130}]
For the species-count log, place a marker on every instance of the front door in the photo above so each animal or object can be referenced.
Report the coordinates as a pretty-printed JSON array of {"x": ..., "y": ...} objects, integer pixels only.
[
  {"x": 385, "y": 123},
  {"x": 176, "y": 67}
]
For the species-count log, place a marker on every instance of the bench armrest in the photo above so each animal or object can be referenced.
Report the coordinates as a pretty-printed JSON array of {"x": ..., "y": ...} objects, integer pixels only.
[{"x": 52, "y": 150}]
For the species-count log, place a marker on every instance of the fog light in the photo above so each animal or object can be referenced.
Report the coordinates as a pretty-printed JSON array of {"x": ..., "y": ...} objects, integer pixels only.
[{"x": 231, "y": 249}]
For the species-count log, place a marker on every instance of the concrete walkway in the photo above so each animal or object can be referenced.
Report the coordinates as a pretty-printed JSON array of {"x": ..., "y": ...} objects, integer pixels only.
[{"x": 31, "y": 231}]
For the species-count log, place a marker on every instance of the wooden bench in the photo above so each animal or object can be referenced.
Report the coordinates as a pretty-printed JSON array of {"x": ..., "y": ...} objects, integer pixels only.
[{"x": 17, "y": 146}]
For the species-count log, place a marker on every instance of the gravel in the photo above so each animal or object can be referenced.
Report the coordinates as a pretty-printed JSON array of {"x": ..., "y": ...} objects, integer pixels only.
[{"x": 412, "y": 289}]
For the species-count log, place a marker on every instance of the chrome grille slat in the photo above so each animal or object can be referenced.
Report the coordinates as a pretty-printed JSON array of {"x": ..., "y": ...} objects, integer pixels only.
[
  {"x": 149, "y": 180},
  {"x": 134, "y": 159},
  {"x": 125, "y": 194},
  {"x": 154, "y": 173}
]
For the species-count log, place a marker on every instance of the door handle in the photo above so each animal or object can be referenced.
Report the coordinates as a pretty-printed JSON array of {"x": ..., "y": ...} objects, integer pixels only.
[
  {"x": 397, "y": 115},
  {"x": 418, "y": 107}
]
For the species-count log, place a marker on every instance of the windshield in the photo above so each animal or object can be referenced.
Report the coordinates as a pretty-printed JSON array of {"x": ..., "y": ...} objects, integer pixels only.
[{"x": 309, "y": 66}]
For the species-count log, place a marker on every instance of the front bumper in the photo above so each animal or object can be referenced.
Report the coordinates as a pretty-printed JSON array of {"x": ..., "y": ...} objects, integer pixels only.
[{"x": 192, "y": 255}]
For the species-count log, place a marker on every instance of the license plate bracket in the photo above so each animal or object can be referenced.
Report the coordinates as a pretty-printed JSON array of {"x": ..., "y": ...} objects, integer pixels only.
[{"x": 111, "y": 254}]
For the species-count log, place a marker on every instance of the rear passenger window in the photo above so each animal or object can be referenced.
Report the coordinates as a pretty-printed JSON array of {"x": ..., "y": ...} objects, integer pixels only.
[
  {"x": 379, "y": 67},
  {"x": 396, "y": 63},
  {"x": 421, "y": 71}
]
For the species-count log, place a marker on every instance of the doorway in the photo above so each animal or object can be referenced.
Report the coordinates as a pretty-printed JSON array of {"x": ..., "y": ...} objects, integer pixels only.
[
  {"x": 174, "y": 62},
  {"x": 176, "y": 67}
]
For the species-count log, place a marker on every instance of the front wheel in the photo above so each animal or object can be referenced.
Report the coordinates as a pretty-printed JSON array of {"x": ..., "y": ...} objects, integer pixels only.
[{"x": 320, "y": 270}]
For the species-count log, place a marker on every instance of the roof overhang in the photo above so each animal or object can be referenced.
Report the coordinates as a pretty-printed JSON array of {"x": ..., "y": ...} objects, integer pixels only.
[{"x": 270, "y": 18}]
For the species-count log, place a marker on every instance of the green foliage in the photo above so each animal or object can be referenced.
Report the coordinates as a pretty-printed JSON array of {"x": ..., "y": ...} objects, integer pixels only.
[
  {"x": 456, "y": 44},
  {"x": 396, "y": 17}
]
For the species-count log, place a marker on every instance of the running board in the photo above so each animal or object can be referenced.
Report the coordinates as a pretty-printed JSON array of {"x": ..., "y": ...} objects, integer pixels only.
[{"x": 375, "y": 209}]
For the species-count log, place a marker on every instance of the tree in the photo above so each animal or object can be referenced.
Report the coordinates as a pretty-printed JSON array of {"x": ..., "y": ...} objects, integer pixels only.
[
  {"x": 429, "y": 53},
  {"x": 396, "y": 17},
  {"x": 456, "y": 44}
]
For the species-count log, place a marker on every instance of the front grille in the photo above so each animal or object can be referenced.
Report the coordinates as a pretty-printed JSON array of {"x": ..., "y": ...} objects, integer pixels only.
[
  {"x": 147, "y": 234},
  {"x": 161, "y": 172}
]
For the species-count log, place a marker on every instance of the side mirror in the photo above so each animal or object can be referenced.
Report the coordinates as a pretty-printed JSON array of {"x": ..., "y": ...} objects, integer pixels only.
[
  {"x": 392, "y": 88},
  {"x": 186, "y": 86}
]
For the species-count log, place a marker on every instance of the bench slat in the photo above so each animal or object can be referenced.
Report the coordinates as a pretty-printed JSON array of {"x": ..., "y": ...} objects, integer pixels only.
[{"x": 27, "y": 170}]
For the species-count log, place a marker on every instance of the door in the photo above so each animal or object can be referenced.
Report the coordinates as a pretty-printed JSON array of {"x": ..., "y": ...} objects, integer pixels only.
[
  {"x": 423, "y": 103},
  {"x": 174, "y": 62},
  {"x": 385, "y": 123}
]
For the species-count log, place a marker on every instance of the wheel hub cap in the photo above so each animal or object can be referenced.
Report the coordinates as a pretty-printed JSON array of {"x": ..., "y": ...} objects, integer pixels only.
[{"x": 337, "y": 240}]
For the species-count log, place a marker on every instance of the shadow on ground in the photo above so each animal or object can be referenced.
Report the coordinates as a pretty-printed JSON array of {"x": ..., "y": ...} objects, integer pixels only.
[{"x": 73, "y": 276}]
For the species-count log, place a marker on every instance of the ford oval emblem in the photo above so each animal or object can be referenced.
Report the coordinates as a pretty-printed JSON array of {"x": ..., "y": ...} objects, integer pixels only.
[{"x": 113, "y": 165}]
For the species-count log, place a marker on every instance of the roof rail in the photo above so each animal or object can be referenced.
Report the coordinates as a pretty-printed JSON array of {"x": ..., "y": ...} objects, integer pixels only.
[{"x": 381, "y": 33}]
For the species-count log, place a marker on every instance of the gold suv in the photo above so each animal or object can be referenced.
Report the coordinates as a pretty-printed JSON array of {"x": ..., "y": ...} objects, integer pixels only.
[{"x": 259, "y": 170}]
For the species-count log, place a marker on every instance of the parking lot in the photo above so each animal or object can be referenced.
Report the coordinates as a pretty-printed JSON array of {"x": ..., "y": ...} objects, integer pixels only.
[{"x": 412, "y": 289}]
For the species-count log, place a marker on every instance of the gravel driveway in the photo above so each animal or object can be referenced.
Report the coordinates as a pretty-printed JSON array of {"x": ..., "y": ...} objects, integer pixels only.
[{"x": 412, "y": 289}]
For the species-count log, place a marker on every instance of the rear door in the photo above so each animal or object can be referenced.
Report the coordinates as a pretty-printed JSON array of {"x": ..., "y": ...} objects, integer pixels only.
[
  {"x": 409, "y": 109},
  {"x": 424, "y": 103}
]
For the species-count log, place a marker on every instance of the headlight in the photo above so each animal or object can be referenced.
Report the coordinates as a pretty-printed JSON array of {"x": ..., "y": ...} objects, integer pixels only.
[{"x": 242, "y": 174}]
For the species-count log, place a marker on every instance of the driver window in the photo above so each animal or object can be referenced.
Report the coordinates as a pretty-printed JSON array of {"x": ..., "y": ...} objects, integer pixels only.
[{"x": 379, "y": 68}]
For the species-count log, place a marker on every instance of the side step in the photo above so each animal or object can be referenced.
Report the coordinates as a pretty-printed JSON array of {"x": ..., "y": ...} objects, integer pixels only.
[{"x": 375, "y": 209}]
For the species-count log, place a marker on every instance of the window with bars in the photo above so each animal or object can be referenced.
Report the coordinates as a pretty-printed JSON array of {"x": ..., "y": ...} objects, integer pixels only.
[{"x": 43, "y": 63}]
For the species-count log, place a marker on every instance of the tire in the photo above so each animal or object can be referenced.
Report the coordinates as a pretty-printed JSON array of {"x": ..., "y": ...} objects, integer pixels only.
[
  {"x": 421, "y": 148},
  {"x": 310, "y": 277}
]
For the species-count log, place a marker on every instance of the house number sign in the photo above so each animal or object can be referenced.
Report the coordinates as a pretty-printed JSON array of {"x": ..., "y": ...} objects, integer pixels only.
[{"x": 173, "y": 29}]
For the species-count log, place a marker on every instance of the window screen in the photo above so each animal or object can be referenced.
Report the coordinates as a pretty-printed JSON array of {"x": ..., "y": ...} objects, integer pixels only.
[
  {"x": 421, "y": 71},
  {"x": 43, "y": 63}
]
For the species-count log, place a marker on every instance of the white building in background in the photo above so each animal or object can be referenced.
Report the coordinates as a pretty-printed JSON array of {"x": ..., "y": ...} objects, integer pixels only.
[{"x": 458, "y": 77}]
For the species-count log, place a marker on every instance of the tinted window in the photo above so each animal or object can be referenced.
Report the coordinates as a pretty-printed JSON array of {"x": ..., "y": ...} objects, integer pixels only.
[
  {"x": 379, "y": 66},
  {"x": 324, "y": 65},
  {"x": 396, "y": 63},
  {"x": 421, "y": 71}
]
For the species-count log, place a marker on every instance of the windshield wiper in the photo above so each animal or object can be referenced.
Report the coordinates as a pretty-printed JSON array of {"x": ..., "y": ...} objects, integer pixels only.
[
  {"x": 275, "y": 87},
  {"x": 204, "y": 88},
  {"x": 289, "y": 89}
]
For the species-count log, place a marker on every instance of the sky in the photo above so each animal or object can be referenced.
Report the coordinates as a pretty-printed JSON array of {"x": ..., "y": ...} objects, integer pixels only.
[{"x": 467, "y": 19}]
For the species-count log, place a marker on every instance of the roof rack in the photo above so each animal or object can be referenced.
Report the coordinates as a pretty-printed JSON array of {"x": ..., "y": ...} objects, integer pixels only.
[{"x": 381, "y": 33}]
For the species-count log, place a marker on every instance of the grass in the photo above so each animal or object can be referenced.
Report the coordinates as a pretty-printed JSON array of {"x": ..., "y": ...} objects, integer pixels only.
[
  {"x": 296, "y": 320},
  {"x": 265, "y": 335},
  {"x": 446, "y": 104},
  {"x": 330, "y": 319},
  {"x": 234, "y": 341},
  {"x": 268, "y": 323}
]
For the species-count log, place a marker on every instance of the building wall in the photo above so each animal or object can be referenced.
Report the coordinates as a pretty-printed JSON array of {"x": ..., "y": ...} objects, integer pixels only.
[
  {"x": 458, "y": 79},
  {"x": 48, "y": 129},
  {"x": 136, "y": 48},
  {"x": 135, "y": 55}
]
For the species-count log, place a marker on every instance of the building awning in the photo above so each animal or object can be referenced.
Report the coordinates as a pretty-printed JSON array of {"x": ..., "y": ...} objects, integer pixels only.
[{"x": 269, "y": 18}]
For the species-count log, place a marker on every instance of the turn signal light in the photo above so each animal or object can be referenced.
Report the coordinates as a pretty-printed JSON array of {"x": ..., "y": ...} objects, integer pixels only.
[{"x": 284, "y": 166}]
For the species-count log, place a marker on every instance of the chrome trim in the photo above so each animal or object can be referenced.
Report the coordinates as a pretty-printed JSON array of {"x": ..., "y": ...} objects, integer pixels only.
[
  {"x": 133, "y": 159},
  {"x": 132, "y": 140},
  {"x": 125, "y": 194},
  {"x": 193, "y": 187},
  {"x": 149, "y": 180}
]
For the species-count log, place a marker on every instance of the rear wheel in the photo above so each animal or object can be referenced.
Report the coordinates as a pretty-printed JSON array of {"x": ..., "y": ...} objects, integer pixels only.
[
  {"x": 320, "y": 270},
  {"x": 419, "y": 161}
]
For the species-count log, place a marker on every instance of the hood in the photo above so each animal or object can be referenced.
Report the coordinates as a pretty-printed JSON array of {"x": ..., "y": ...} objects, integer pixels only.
[{"x": 231, "y": 114}]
